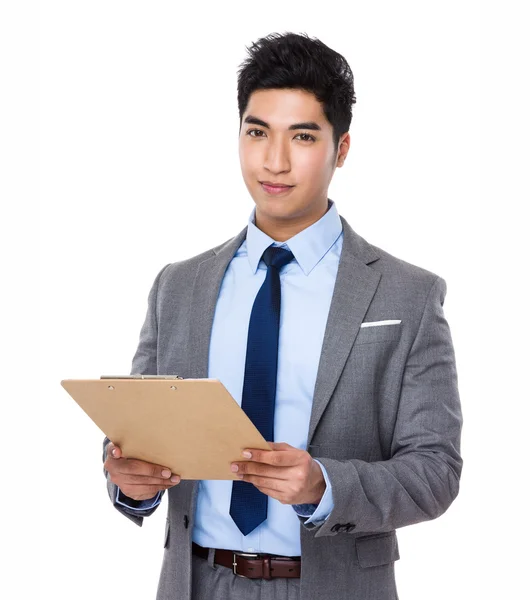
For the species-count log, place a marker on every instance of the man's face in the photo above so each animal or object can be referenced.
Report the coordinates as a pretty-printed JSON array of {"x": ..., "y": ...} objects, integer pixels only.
[{"x": 282, "y": 147}]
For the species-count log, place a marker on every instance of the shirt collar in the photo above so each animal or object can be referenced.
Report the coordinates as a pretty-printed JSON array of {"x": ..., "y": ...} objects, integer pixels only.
[{"x": 308, "y": 246}]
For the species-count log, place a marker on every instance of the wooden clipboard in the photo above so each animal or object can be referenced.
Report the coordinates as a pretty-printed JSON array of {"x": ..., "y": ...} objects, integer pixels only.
[{"x": 192, "y": 426}]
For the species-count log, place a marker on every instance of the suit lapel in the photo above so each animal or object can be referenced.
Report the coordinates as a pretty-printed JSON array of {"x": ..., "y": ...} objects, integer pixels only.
[
  {"x": 206, "y": 286},
  {"x": 354, "y": 289}
]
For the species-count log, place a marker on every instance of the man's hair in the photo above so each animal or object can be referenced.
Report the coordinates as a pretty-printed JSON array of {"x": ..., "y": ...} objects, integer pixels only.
[{"x": 296, "y": 61}]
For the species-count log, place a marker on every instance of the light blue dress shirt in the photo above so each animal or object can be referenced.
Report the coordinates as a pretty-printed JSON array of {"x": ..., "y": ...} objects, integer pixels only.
[{"x": 307, "y": 284}]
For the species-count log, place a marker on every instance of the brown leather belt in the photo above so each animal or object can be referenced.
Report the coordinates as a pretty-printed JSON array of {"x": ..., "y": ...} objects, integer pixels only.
[{"x": 253, "y": 566}]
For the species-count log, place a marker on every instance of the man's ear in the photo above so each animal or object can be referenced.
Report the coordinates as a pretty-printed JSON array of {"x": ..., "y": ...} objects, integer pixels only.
[{"x": 342, "y": 150}]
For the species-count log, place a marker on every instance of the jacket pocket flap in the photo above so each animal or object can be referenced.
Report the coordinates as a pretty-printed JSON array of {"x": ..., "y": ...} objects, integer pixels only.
[{"x": 377, "y": 549}]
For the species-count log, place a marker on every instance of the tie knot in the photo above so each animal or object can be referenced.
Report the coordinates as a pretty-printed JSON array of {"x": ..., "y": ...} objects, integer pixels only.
[{"x": 277, "y": 257}]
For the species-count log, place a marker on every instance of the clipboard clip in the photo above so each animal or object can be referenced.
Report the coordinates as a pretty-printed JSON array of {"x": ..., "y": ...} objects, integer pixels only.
[{"x": 140, "y": 376}]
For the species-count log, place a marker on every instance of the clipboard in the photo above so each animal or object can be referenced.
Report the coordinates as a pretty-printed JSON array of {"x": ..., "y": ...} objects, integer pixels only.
[{"x": 192, "y": 426}]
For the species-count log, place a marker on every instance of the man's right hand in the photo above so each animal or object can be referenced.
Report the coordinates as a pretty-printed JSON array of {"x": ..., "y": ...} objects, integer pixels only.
[{"x": 137, "y": 479}]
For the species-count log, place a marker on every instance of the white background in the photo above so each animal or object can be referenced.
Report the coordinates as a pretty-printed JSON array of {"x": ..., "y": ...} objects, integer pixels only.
[{"x": 121, "y": 156}]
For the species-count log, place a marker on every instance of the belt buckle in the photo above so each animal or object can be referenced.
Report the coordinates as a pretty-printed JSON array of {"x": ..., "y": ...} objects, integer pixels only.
[{"x": 234, "y": 563}]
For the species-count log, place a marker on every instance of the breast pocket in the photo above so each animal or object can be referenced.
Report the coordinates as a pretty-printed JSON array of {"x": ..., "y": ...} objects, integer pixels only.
[{"x": 371, "y": 333}]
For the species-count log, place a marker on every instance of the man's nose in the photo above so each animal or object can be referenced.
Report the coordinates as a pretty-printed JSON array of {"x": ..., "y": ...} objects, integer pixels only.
[{"x": 277, "y": 158}]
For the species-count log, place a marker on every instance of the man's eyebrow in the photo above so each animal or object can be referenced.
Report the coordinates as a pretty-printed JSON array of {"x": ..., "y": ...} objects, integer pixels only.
[{"x": 307, "y": 125}]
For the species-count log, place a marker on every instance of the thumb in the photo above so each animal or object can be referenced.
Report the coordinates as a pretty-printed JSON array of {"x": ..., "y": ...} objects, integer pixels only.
[{"x": 113, "y": 450}]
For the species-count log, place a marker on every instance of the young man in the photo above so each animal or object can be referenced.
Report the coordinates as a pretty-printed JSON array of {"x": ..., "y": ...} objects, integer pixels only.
[{"x": 338, "y": 351}]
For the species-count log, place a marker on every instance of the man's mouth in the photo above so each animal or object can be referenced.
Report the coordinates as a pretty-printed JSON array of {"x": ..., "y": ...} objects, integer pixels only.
[{"x": 275, "y": 187}]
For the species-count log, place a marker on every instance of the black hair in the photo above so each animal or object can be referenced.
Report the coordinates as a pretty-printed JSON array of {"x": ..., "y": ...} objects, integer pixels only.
[{"x": 296, "y": 61}]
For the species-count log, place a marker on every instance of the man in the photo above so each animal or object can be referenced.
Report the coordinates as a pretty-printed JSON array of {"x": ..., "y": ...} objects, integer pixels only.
[{"x": 353, "y": 381}]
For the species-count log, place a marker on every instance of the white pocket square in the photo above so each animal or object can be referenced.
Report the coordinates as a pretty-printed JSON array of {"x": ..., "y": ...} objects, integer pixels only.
[{"x": 377, "y": 323}]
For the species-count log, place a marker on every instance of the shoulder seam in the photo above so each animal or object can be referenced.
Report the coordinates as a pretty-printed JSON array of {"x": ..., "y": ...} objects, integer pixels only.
[{"x": 423, "y": 312}]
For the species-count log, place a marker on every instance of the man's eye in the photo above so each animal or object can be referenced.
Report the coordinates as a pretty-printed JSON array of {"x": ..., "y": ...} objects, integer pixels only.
[
  {"x": 250, "y": 131},
  {"x": 309, "y": 138}
]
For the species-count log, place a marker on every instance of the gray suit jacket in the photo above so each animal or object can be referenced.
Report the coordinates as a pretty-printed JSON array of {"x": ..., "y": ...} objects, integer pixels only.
[{"x": 386, "y": 418}]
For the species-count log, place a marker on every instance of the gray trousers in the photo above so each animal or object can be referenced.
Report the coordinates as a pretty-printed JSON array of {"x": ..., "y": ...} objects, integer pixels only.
[{"x": 215, "y": 582}]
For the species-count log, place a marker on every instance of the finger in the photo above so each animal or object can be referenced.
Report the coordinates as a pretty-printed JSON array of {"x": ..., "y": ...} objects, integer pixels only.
[
  {"x": 253, "y": 468},
  {"x": 110, "y": 462},
  {"x": 139, "y": 467},
  {"x": 136, "y": 481},
  {"x": 113, "y": 450},
  {"x": 266, "y": 483},
  {"x": 273, "y": 457},
  {"x": 145, "y": 480},
  {"x": 133, "y": 466},
  {"x": 139, "y": 488}
]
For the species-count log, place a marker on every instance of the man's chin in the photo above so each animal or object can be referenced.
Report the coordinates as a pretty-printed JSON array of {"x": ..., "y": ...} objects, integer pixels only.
[{"x": 276, "y": 210}]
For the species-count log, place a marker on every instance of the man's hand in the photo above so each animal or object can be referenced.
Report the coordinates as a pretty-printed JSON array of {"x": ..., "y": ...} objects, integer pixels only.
[
  {"x": 137, "y": 479},
  {"x": 285, "y": 473}
]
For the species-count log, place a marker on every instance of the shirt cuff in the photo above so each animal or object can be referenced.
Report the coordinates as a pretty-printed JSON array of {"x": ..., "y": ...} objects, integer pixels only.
[
  {"x": 124, "y": 500},
  {"x": 318, "y": 513}
]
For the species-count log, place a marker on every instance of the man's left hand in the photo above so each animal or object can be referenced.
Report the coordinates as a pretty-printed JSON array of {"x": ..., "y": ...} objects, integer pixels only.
[{"x": 285, "y": 473}]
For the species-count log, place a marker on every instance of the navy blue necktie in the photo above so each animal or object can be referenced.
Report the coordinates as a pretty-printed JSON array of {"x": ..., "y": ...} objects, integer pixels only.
[{"x": 248, "y": 506}]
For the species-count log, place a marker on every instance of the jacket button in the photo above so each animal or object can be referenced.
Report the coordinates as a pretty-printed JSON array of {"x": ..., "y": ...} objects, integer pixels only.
[
  {"x": 186, "y": 521},
  {"x": 338, "y": 527}
]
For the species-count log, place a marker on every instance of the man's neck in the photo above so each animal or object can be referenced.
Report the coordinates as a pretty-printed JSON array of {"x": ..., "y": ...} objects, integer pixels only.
[{"x": 283, "y": 230}]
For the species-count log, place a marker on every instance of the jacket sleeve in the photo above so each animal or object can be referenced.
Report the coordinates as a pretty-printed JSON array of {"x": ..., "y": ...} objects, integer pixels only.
[
  {"x": 422, "y": 477},
  {"x": 144, "y": 363}
]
